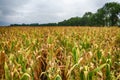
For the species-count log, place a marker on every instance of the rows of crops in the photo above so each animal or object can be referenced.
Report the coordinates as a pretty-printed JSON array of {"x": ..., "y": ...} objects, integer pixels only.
[{"x": 54, "y": 53}]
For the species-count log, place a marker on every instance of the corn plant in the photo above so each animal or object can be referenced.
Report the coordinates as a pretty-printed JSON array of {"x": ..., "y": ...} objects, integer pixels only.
[{"x": 59, "y": 53}]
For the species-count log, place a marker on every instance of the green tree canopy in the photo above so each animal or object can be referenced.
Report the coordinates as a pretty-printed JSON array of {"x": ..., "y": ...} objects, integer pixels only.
[{"x": 112, "y": 11}]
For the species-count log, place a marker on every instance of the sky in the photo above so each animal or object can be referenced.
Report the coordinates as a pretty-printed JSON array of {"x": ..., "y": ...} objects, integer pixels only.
[{"x": 45, "y": 11}]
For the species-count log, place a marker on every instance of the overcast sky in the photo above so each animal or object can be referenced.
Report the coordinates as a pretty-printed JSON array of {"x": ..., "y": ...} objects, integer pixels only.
[{"x": 46, "y": 11}]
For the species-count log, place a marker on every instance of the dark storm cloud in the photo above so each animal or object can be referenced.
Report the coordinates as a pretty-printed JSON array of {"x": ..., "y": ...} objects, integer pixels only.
[{"x": 45, "y": 11}]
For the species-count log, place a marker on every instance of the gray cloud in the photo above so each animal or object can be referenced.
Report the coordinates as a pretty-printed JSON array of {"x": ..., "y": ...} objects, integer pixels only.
[{"x": 45, "y": 11}]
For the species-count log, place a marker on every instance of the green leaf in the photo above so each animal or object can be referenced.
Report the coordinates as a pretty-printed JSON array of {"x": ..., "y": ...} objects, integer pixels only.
[
  {"x": 75, "y": 56},
  {"x": 99, "y": 68},
  {"x": 58, "y": 77},
  {"x": 99, "y": 54},
  {"x": 108, "y": 75},
  {"x": 7, "y": 72},
  {"x": 25, "y": 76},
  {"x": 49, "y": 40},
  {"x": 82, "y": 77},
  {"x": 90, "y": 75}
]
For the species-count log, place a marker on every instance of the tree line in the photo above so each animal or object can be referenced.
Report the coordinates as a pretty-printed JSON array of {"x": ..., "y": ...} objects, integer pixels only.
[{"x": 108, "y": 15}]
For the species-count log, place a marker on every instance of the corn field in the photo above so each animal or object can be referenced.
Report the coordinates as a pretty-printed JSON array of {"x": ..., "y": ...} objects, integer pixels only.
[{"x": 59, "y": 53}]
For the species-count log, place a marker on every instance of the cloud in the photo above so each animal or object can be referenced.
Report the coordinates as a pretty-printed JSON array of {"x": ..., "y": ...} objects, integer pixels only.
[{"x": 45, "y": 11}]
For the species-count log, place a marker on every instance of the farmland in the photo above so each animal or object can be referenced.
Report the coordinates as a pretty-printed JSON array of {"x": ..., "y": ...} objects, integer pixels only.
[{"x": 59, "y": 53}]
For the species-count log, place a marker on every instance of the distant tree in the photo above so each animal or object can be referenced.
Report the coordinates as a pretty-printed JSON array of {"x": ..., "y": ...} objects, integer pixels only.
[
  {"x": 112, "y": 11},
  {"x": 108, "y": 15},
  {"x": 34, "y": 24},
  {"x": 99, "y": 17},
  {"x": 86, "y": 19},
  {"x": 74, "y": 21},
  {"x": 48, "y": 24}
]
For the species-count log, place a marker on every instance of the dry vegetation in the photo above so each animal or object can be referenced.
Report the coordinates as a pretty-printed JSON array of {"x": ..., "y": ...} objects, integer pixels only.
[{"x": 59, "y": 53}]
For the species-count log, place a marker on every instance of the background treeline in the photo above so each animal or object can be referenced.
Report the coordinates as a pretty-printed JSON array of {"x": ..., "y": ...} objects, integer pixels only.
[{"x": 108, "y": 15}]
